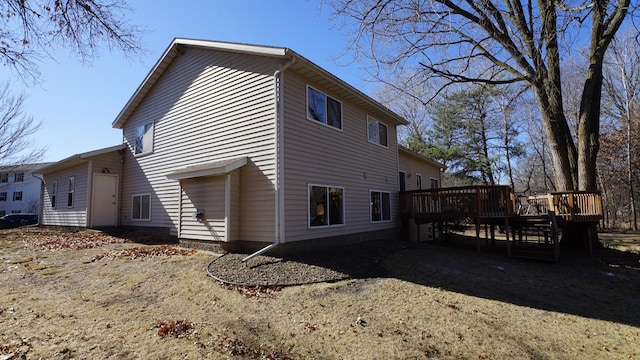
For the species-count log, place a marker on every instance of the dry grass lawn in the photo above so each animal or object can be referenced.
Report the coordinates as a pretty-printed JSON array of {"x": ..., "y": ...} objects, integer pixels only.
[{"x": 132, "y": 301}]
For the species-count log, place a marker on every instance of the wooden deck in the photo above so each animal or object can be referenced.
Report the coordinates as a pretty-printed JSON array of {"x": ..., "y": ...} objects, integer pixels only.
[{"x": 480, "y": 205}]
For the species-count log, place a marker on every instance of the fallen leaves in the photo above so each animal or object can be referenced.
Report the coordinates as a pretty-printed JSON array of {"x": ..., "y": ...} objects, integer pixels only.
[
  {"x": 254, "y": 291},
  {"x": 176, "y": 329},
  {"x": 144, "y": 251},
  {"x": 56, "y": 241}
]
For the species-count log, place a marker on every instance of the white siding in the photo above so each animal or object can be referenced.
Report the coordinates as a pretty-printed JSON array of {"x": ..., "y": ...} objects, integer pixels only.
[
  {"x": 412, "y": 166},
  {"x": 208, "y": 195},
  {"x": 207, "y": 106},
  {"x": 319, "y": 154},
  {"x": 63, "y": 215}
]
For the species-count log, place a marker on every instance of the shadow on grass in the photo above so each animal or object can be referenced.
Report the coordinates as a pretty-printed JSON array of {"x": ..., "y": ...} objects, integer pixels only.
[{"x": 605, "y": 287}]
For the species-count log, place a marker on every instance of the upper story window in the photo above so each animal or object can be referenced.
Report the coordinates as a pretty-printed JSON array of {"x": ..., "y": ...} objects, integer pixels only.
[
  {"x": 323, "y": 108},
  {"x": 3, "y": 196},
  {"x": 377, "y": 132},
  {"x": 19, "y": 177},
  {"x": 4, "y": 177},
  {"x": 144, "y": 139},
  {"x": 17, "y": 196},
  {"x": 71, "y": 191}
]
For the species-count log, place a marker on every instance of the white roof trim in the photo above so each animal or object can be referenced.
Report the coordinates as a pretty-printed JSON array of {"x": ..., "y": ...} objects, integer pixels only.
[{"x": 208, "y": 169}]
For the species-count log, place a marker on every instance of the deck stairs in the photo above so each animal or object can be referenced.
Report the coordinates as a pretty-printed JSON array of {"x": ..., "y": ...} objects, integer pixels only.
[{"x": 535, "y": 237}]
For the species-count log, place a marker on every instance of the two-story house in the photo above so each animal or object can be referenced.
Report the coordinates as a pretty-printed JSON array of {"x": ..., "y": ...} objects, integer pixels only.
[
  {"x": 19, "y": 189},
  {"x": 244, "y": 145}
]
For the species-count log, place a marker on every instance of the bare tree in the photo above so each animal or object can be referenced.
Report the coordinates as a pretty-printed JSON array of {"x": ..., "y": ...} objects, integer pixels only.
[
  {"x": 622, "y": 85},
  {"x": 499, "y": 42},
  {"x": 31, "y": 30},
  {"x": 16, "y": 129}
]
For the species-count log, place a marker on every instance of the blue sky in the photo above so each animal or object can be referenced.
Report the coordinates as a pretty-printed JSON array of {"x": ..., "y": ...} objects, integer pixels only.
[{"x": 77, "y": 103}]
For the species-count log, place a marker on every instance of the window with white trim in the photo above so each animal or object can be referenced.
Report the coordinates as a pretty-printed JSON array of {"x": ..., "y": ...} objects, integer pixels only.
[
  {"x": 71, "y": 190},
  {"x": 323, "y": 108},
  {"x": 418, "y": 182},
  {"x": 54, "y": 193},
  {"x": 4, "y": 177},
  {"x": 380, "y": 206},
  {"x": 19, "y": 177},
  {"x": 3, "y": 196},
  {"x": 326, "y": 205},
  {"x": 435, "y": 183},
  {"x": 17, "y": 196},
  {"x": 144, "y": 139},
  {"x": 376, "y": 132},
  {"x": 141, "y": 209}
]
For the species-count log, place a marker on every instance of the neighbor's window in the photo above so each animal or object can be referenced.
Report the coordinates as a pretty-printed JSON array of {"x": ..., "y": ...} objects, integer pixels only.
[
  {"x": 323, "y": 108},
  {"x": 380, "y": 206},
  {"x": 141, "y": 207},
  {"x": 17, "y": 196},
  {"x": 54, "y": 193},
  {"x": 72, "y": 181},
  {"x": 4, "y": 178},
  {"x": 418, "y": 182},
  {"x": 3, "y": 213},
  {"x": 3, "y": 196},
  {"x": 377, "y": 132},
  {"x": 19, "y": 177},
  {"x": 144, "y": 139},
  {"x": 326, "y": 205},
  {"x": 435, "y": 183}
]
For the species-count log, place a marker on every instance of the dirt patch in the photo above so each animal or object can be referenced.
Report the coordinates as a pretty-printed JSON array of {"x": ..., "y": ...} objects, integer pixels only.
[{"x": 410, "y": 301}]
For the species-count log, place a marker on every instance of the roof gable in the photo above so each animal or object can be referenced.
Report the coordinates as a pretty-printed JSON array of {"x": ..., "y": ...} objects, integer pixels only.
[{"x": 300, "y": 65}]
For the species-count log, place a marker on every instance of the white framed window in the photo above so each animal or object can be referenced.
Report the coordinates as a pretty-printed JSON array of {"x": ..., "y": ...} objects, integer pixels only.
[
  {"x": 435, "y": 183},
  {"x": 144, "y": 139},
  {"x": 380, "y": 206},
  {"x": 323, "y": 108},
  {"x": 19, "y": 177},
  {"x": 4, "y": 177},
  {"x": 17, "y": 196},
  {"x": 141, "y": 209},
  {"x": 326, "y": 205},
  {"x": 377, "y": 132},
  {"x": 3, "y": 196},
  {"x": 71, "y": 190},
  {"x": 418, "y": 182},
  {"x": 54, "y": 193}
]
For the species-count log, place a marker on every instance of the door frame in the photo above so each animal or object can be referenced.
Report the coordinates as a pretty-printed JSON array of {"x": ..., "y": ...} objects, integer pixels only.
[{"x": 116, "y": 197}]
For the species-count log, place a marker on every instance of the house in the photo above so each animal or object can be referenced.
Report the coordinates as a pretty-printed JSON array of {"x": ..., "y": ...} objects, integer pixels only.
[
  {"x": 20, "y": 189},
  {"x": 249, "y": 146},
  {"x": 82, "y": 190}
]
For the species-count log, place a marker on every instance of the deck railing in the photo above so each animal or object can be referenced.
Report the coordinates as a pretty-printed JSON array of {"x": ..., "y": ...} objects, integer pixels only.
[
  {"x": 459, "y": 202},
  {"x": 573, "y": 206},
  {"x": 498, "y": 201}
]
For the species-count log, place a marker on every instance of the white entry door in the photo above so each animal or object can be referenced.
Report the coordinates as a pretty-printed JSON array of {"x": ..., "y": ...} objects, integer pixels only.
[{"x": 104, "y": 200}]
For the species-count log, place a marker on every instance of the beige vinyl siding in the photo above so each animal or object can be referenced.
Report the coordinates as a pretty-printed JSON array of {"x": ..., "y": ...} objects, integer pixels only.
[
  {"x": 63, "y": 215},
  {"x": 207, "y": 194},
  {"x": 207, "y": 106},
  {"x": 318, "y": 154},
  {"x": 412, "y": 165}
]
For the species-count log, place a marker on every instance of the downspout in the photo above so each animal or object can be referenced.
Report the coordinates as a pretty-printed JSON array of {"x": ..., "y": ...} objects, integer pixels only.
[{"x": 278, "y": 133}]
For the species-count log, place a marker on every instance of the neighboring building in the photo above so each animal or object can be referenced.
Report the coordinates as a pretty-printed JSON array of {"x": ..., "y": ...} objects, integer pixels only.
[
  {"x": 252, "y": 145},
  {"x": 19, "y": 189}
]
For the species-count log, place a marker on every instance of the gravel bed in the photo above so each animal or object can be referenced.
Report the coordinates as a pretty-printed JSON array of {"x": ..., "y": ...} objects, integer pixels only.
[{"x": 348, "y": 262}]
